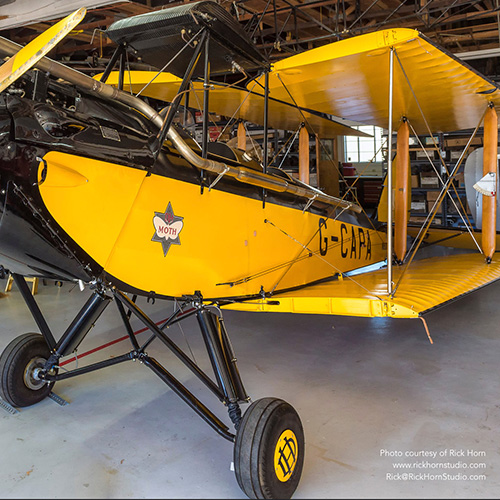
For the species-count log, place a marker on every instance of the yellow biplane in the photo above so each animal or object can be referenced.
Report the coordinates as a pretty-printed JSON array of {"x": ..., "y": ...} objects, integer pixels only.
[{"x": 100, "y": 184}]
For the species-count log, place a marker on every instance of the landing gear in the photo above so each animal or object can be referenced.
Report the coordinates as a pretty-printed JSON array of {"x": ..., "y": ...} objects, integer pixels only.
[
  {"x": 20, "y": 363},
  {"x": 269, "y": 450},
  {"x": 269, "y": 440}
]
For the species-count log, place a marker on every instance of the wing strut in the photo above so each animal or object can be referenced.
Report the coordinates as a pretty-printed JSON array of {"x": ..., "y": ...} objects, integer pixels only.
[
  {"x": 465, "y": 219},
  {"x": 468, "y": 225},
  {"x": 350, "y": 189},
  {"x": 242, "y": 137},
  {"x": 178, "y": 98},
  {"x": 437, "y": 204},
  {"x": 389, "y": 175},
  {"x": 304, "y": 154},
  {"x": 401, "y": 195},
  {"x": 490, "y": 164}
]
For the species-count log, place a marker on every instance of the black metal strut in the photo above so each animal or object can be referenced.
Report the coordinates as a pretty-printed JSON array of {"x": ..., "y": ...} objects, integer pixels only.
[
  {"x": 228, "y": 387},
  {"x": 82, "y": 324},
  {"x": 174, "y": 106},
  {"x": 89, "y": 368},
  {"x": 35, "y": 310},
  {"x": 158, "y": 333},
  {"x": 206, "y": 88},
  {"x": 188, "y": 398},
  {"x": 223, "y": 362},
  {"x": 221, "y": 355},
  {"x": 111, "y": 64}
]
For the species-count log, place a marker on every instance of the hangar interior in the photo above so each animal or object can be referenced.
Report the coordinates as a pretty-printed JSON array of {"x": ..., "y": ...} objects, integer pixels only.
[
  {"x": 361, "y": 386},
  {"x": 375, "y": 395}
]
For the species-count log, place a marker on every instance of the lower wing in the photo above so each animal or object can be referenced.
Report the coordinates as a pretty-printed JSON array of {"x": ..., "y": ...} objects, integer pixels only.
[{"x": 426, "y": 285}]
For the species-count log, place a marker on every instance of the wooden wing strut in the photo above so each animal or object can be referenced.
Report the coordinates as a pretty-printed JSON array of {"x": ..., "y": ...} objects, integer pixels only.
[
  {"x": 490, "y": 164},
  {"x": 401, "y": 194}
]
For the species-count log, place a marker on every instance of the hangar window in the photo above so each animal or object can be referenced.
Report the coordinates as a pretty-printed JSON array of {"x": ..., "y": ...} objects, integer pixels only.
[{"x": 364, "y": 149}]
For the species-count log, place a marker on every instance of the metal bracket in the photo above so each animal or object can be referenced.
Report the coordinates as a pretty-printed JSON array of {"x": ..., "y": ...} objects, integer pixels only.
[
  {"x": 58, "y": 399},
  {"x": 196, "y": 299},
  {"x": 7, "y": 407},
  {"x": 43, "y": 175},
  {"x": 219, "y": 177},
  {"x": 310, "y": 202}
]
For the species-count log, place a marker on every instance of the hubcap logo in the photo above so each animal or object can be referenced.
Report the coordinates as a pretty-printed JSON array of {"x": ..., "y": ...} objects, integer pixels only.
[
  {"x": 285, "y": 455},
  {"x": 167, "y": 228}
]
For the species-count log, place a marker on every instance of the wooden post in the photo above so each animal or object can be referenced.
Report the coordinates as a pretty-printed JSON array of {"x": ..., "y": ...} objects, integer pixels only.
[
  {"x": 304, "y": 155},
  {"x": 34, "y": 286},
  {"x": 490, "y": 164},
  {"x": 401, "y": 194},
  {"x": 242, "y": 137}
]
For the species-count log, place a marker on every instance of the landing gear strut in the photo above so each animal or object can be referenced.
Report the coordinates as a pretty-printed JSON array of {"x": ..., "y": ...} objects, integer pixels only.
[{"x": 269, "y": 440}]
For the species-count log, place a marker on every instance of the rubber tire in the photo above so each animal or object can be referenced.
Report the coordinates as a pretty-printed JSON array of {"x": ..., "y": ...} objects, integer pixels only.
[
  {"x": 261, "y": 427},
  {"x": 13, "y": 361}
]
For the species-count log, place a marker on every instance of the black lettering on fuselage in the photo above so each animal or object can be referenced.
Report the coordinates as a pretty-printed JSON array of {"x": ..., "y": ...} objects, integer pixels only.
[
  {"x": 359, "y": 242},
  {"x": 353, "y": 243},
  {"x": 322, "y": 251},
  {"x": 362, "y": 240},
  {"x": 343, "y": 228}
]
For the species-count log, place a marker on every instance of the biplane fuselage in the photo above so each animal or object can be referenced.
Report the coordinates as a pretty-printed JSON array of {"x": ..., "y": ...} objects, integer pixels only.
[{"x": 109, "y": 212}]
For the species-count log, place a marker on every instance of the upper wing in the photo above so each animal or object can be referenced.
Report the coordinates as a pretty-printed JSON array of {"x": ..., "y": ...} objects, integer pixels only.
[
  {"x": 350, "y": 78},
  {"x": 231, "y": 102},
  {"x": 427, "y": 284}
]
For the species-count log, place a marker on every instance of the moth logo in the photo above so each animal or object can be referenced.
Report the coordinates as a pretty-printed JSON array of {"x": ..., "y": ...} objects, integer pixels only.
[{"x": 168, "y": 226}]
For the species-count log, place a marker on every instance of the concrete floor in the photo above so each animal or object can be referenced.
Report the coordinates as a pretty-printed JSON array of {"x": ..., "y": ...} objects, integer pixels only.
[{"x": 363, "y": 388}]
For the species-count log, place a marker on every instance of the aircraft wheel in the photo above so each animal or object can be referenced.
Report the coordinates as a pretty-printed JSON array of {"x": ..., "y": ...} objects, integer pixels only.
[
  {"x": 269, "y": 450},
  {"x": 19, "y": 363}
]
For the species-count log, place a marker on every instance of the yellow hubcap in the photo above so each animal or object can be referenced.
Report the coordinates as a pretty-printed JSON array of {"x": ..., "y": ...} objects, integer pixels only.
[{"x": 285, "y": 455}]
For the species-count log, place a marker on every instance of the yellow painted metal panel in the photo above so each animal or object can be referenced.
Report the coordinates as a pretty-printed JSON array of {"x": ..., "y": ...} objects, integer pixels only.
[
  {"x": 427, "y": 284},
  {"x": 90, "y": 199},
  {"x": 115, "y": 214},
  {"x": 243, "y": 253},
  {"x": 350, "y": 78},
  {"x": 231, "y": 101}
]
